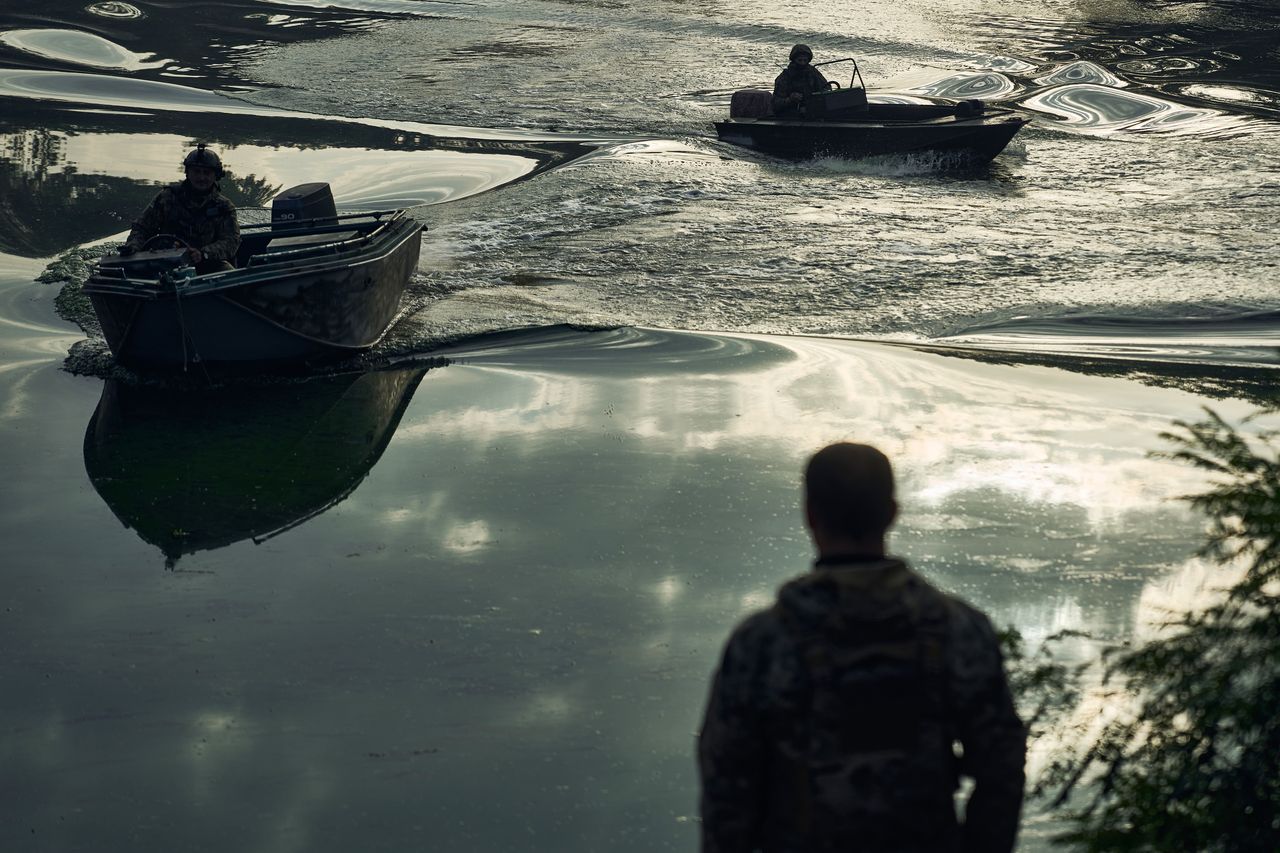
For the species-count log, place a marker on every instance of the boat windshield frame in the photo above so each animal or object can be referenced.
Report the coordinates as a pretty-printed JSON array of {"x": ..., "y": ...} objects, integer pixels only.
[{"x": 856, "y": 75}]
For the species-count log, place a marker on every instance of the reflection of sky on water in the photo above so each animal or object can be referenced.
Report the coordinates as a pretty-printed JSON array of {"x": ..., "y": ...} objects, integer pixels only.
[
  {"x": 1004, "y": 444},
  {"x": 1085, "y": 96},
  {"x": 395, "y": 7},
  {"x": 30, "y": 339},
  {"x": 79, "y": 48},
  {"x": 1229, "y": 95},
  {"x": 517, "y": 609},
  {"x": 1080, "y": 72},
  {"x": 1102, "y": 109},
  {"x": 962, "y": 463},
  {"x": 989, "y": 86},
  {"x": 107, "y": 90},
  {"x": 102, "y": 90}
]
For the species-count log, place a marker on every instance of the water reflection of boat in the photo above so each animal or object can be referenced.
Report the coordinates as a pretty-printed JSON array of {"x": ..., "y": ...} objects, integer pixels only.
[
  {"x": 192, "y": 471},
  {"x": 843, "y": 123},
  {"x": 310, "y": 285}
]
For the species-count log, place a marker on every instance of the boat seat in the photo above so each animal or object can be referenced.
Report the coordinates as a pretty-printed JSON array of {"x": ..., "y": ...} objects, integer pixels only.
[
  {"x": 836, "y": 104},
  {"x": 751, "y": 103}
]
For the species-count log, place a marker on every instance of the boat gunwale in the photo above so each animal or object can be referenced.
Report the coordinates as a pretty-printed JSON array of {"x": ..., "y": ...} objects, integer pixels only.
[
  {"x": 389, "y": 241},
  {"x": 990, "y": 119}
]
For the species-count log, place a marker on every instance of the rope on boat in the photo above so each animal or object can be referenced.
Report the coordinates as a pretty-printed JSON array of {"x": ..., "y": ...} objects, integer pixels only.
[{"x": 182, "y": 326}]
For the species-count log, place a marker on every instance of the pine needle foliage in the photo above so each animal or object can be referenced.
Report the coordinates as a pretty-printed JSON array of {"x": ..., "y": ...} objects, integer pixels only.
[{"x": 1192, "y": 760}]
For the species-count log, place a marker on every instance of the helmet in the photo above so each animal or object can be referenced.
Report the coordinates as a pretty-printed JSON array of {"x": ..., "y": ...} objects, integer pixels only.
[
  {"x": 801, "y": 49},
  {"x": 204, "y": 157}
]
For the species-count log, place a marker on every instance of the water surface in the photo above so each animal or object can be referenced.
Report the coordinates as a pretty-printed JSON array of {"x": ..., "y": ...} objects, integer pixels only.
[
  {"x": 466, "y": 594},
  {"x": 500, "y": 584}
]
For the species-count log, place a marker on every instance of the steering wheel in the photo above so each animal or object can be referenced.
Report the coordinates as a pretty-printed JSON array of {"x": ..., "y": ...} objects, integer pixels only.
[{"x": 171, "y": 241}]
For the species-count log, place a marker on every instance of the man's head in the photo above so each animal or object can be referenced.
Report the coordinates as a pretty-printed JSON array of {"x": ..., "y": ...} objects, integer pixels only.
[
  {"x": 202, "y": 168},
  {"x": 848, "y": 495},
  {"x": 801, "y": 53}
]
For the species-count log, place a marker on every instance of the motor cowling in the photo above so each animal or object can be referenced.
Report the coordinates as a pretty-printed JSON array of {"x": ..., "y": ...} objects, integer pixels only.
[{"x": 305, "y": 204}]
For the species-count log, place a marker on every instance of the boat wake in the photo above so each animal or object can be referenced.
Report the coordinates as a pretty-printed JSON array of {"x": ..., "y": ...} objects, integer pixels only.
[{"x": 1226, "y": 339}]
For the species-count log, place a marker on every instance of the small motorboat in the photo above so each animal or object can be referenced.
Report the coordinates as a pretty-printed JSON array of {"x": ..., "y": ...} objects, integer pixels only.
[
  {"x": 843, "y": 122},
  {"x": 309, "y": 286}
]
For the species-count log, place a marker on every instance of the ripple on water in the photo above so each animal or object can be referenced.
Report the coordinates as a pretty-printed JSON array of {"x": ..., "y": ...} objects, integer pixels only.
[
  {"x": 115, "y": 10},
  {"x": 989, "y": 85},
  {"x": 79, "y": 48},
  {"x": 1008, "y": 65},
  {"x": 1168, "y": 66},
  {"x": 1081, "y": 72},
  {"x": 1244, "y": 338},
  {"x": 419, "y": 8},
  {"x": 110, "y": 90},
  {"x": 1102, "y": 109},
  {"x": 1232, "y": 95}
]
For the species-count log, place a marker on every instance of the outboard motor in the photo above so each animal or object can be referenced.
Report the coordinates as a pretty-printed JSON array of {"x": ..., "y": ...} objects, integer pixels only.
[{"x": 297, "y": 205}]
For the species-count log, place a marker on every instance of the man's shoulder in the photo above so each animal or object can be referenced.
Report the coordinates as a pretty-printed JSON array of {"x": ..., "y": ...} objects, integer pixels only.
[
  {"x": 813, "y": 590},
  {"x": 757, "y": 629},
  {"x": 168, "y": 194},
  {"x": 224, "y": 204}
]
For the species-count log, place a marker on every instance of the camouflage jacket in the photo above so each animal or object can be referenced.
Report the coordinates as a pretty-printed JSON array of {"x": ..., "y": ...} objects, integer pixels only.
[
  {"x": 804, "y": 79},
  {"x": 207, "y": 223},
  {"x": 834, "y": 715}
]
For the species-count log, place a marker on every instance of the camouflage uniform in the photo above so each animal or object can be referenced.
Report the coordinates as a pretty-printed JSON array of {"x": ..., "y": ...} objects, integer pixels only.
[
  {"x": 833, "y": 717},
  {"x": 804, "y": 79},
  {"x": 207, "y": 222}
]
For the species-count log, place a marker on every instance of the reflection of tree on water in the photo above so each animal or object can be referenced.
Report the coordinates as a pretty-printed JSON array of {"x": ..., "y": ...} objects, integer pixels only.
[
  {"x": 196, "y": 470},
  {"x": 1190, "y": 759},
  {"x": 47, "y": 204}
]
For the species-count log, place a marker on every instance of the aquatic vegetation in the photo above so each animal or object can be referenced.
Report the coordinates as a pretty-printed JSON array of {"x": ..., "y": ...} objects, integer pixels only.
[
  {"x": 1191, "y": 759},
  {"x": 71, "y": 270}
]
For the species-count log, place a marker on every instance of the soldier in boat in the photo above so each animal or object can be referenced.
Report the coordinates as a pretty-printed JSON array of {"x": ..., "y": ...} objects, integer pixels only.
[
  {"x": 798, "y": 80},
  {"x": 194, "y": 214}
]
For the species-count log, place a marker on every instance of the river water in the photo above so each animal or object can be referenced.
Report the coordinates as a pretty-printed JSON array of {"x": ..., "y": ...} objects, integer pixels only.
[
  {"x": 399, "y": 609},
  {"x": 1131, "y": 211}
]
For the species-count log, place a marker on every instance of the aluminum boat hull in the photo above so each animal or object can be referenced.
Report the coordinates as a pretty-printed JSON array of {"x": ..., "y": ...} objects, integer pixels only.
[
  {"x": 883, "y": 130},
  {"x": 282, "y": 309}
]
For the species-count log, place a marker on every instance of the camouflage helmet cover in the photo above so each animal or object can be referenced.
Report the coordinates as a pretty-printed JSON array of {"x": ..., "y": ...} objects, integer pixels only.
[
  {"x": 801, "y": 49},
  {"x": 204, "y": 157}
]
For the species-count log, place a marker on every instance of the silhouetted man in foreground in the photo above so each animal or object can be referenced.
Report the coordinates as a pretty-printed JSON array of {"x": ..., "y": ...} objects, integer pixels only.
[{"x": 833, "y": 717}]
